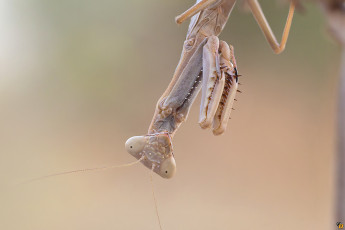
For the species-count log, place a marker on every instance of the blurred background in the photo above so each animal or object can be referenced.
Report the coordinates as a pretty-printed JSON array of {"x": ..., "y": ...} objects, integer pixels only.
[{"x": 79, "y": 77}]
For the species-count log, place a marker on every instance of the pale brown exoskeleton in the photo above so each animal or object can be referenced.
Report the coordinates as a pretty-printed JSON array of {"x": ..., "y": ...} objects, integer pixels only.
[{"x": 208, "y": 64}]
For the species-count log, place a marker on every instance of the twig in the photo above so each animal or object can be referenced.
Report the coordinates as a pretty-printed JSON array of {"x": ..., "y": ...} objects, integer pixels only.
[
  {"x": 334, "y": 11},
  {"x": 340, "y": 158}
]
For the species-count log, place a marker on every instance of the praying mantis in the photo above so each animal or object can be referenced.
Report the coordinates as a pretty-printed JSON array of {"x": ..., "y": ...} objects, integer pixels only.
[{"x": 206, "y": 64}]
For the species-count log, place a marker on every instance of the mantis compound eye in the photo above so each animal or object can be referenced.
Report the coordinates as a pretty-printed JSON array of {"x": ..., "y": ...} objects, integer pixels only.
[
  {"x": 135, "y": 145},
  {"x": 168, "y": 168}
]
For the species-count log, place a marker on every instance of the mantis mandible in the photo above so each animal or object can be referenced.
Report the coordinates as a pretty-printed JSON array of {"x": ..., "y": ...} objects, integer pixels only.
[{"x": 205, "y": 63}]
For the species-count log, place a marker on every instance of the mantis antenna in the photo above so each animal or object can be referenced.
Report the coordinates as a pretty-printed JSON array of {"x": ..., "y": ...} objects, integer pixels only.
[
  {"x": 154, "y": 197},
  {"x": 84, "y": 170},
  {"x": 102, "y": 169}
]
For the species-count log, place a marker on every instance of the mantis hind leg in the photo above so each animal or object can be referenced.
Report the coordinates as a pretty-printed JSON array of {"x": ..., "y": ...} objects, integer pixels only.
[
  {"x": 266, "y": 29},
  {"x": 199, "y": 6}
]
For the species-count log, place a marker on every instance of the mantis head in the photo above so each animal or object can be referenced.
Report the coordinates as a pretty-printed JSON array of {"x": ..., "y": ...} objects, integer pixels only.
[{"x": 155, "y": 152}]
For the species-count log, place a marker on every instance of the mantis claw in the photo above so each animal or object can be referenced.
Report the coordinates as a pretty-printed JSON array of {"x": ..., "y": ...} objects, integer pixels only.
[
  {"x": 225, "y": 107},
  {"x": 212, "y": 83},
  {"x": 219, "y": 85}
]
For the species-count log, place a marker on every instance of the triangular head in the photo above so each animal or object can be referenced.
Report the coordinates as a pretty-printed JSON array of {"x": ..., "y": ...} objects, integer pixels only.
[{"x": 155, "y": 152}]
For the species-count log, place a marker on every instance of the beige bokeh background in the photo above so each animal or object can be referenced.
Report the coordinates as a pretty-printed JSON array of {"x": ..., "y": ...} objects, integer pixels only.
[{"x": 77, "y": 78}]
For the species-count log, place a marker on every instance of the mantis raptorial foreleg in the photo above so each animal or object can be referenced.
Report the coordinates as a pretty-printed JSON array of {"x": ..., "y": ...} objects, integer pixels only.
[
  {"x": 185, "y": 90},
  {"x": 229, "y": 69},
  {"x": 220, "y": 83},
  {"x": 212, "y": 83}
]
